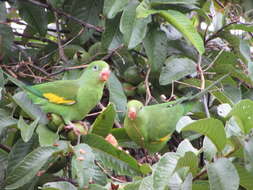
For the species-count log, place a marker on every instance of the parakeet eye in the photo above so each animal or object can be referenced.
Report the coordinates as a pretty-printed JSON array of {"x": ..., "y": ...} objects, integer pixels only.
[{"x": 95, "y": 68}]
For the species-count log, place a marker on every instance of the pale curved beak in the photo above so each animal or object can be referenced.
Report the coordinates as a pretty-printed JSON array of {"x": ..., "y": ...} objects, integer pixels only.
[
  {"x": 132, "y": 114},
  {"x": 105, "y": 74}
]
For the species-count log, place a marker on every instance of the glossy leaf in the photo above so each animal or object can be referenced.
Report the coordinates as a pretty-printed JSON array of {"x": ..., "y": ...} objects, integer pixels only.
[
  {"x": 82, "y": 161},
  {"x": 212, "y": 128},
  {"x": 164, "y": 170},
  {"x": 25, "y": 170},
  {"x": 113, "y": 157},
  {"x": 112, "y": 7},
  {"x": 243, "y": 114},
  {"x": 27, "y": 130},
  {"x": 134, "y": 29},
  {"x": 176, "y": 69},
  {"x": 34, "y": 15},
  {"x": 155, "y": 44},
  {"x": 117, "y": 95},
  {"x": 46, "y": 136},
  {"x": 29, "y": 108},
  {"x": 104, "y": 122},
  {"x": 223, "y": 175},
  {"x": 60, "y": 185}
]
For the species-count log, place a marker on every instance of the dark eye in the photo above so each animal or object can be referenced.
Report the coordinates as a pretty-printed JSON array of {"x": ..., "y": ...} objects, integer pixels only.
[{"x": 95, "y": 68}]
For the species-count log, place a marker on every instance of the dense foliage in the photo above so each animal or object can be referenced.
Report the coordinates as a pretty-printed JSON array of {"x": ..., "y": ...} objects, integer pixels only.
[{"x": 193, "y": 55}]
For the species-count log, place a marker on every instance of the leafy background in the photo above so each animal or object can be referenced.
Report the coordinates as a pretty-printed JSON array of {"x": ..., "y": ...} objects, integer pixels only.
[{"x": 159, "y": 51}]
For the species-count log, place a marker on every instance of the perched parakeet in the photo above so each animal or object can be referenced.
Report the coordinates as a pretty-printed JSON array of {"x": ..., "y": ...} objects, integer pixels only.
[
  {"x": 72, "y": 99},
  {"x": 151, "y": 126}
]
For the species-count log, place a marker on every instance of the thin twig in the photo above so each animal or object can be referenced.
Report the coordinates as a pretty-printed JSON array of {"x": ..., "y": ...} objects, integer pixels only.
[
  {"x": 202, "y": 84},
  {"x": 186, "y": 84},
  {"x": 68, "y": 42},
  {"x": 5, "y": 148},
  {"x": 111, "y": 53},
  {"x": 61, "y": 12},
  {"x": 33, "y": 37},
  {"x": 148, "y": 92},
  {"x": 61, "y": 50},
  {"x": 107, "y": 173},
  {"x": 216, "y": 34},
  {"x": 215, "y": 59}
]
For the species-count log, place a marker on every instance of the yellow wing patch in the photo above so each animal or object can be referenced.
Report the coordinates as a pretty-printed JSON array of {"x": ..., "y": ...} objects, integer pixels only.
[
  {"x": 57, "y": 99},
  {"x": 161, "y": 139},
  {"x": 164, "y": 138}
]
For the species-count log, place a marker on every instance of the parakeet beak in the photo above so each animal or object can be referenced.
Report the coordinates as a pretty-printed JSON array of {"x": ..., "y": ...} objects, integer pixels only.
[
  {"x": 132, "y": 113},
  {"x": 105, "y": 74}
]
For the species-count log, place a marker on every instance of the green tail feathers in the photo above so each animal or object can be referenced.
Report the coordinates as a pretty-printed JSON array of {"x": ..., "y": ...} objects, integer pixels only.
[{"x": 23, "y": 86}]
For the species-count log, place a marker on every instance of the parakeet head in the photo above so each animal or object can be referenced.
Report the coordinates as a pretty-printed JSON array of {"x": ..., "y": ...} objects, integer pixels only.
[
  {"x": 101, "y": 69},
  {"x": 133, "y": 107}
]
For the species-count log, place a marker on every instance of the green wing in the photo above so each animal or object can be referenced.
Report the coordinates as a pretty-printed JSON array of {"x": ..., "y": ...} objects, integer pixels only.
[
  {"x": 162, "y": 120},
  {"x": 64, "y": 89}
]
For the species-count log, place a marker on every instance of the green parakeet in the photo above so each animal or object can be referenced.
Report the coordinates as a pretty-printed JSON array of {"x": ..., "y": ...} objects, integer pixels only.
[
  {"x": 151, "y": 126},
  {"x": 71, "y": 99}
]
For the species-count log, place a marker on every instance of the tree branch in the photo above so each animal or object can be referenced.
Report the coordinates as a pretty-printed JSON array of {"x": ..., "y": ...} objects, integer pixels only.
[{"x": 61, "y": 12}]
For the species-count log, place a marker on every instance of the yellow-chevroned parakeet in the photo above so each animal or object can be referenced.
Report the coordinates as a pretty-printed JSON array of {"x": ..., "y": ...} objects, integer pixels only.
[
  {"x": 151, "y": 126},
  {"x": 71, "y": 99}
]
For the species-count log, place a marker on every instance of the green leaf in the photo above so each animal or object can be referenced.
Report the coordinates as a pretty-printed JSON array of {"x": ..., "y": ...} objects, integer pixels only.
[
  {"x": 200, "y": 185},
  {"x": 214, "y": 90},
  {"x": 25, "y": 170},
  {"x": 26, "y": 130},
  {"x": 19, "y": 151},
  {"x": 133, "y": 185},
  {"x": 3, "y": 11},
  {"x": 6, "y": 39},
  {"x": 244, "y": 27},
  {"x": 112, "y": 7},
  {"x": 155, "y": 44},
  {"x": 96, "y": 187},
  {"x": 181, "y": 22},
  {"x": 176, "y": 69},
  {"x": 29, "y": 108},
  {"x": 134, "y": 29},
  {"x": 209, "y": 149},
  {"x": 82, "y": 161},
  {"x": 248, "y": 154},
  {"x": 245, "y": 177},
  {"x": 186, "y": 146},
  {"x": 60, "y": 185},
  {"x": 187, "y": 184},
  {"x": 6, "y": 120},
  {"x": 164, "y": 170},
  {"x": 117, "y": 95},
  {"x": 46, "y": 136},
  {"x": 189, "y": 160},
  {"x": 104, "y": 122},
  {"x": 243, "y": 114},
  {"x": 222, "y": 175},
  {"x": 112, "y": 37},
  {"x": 212, "y": 128},
  {"x": 146, "y": 183},
  {"x": 120, "y": 134},
  {"x": 187, "y": 2},
  {"x": 112, "y": 157},
  {"x": 34, "y": 15}
]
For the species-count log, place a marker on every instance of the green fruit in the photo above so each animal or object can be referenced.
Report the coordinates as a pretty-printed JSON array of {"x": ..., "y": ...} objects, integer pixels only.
[
  {"x": 55, "y": 121},
  {"x": 132, "y": 75},
  {"x": 129, "y": 89},
  {"x": 82, "y": 57},
  {"x": 72, "y": 136},
  {"x": 141, "y": 88}
]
